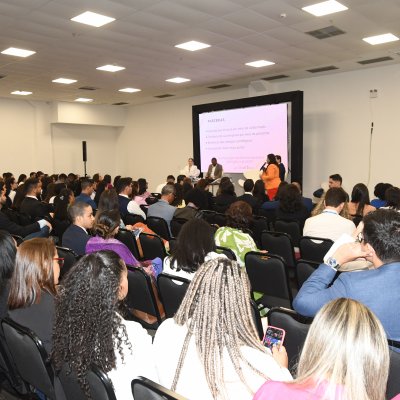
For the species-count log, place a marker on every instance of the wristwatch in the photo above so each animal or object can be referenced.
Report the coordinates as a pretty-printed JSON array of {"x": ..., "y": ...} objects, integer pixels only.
[{"x": 333, "y": 263}]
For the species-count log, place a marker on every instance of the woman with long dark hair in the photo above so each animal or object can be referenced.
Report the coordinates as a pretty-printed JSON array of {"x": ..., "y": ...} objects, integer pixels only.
[
  {"x": 89, "y": 329},
  {"x": 270, "y": 176},
  {"x": 360, "y": 204}
]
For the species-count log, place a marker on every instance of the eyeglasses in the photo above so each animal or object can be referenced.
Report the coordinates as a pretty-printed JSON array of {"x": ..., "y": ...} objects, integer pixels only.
[
  {"x": 59, "y": 260},
  {"x": 360, "y": 238}
]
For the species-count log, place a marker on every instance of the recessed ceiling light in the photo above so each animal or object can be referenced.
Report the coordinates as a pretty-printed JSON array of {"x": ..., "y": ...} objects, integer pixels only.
[
  {"x": 129, "y": 90},
  {"x": 193, "y": 45},
  {"x": 178, "y": 80},
  {"x": 93, "y": 19},
  {"x": 260, "y": 63},
  {"x": 379, "y": 39},
  {"x": 21, "y": 92},
  {"x": 83, "y": 100},
  {"x": 325, "y": 8},
  {"x": 110, "y": 68},
  {"x": 65, "y": 81},
  {"x": 13, "y": 51}
]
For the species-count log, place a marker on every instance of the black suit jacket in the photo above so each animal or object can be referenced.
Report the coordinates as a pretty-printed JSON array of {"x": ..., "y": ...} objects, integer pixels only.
[
  {"x": 35, "y": 209},
  {"x": 249, "y": 199},
  {"x": 7, "y": 225},
  {"x": 75, "y": 239}
]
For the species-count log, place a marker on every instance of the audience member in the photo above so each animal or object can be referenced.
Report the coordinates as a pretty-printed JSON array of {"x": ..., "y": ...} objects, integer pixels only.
[
  {"x": 281, "y": 166},
  {"x": 376, "y": 288},
  {"x": 87, "y": 188},
  {"x": 248, "y": 197},
  {"x": 116, "y": 179},
  {"x": 345, "y": 356},
  {"x": 195, "y": 200},
  {"x": 306, "y": 200},
  {"x": 163, "y": 208},
  {"x": 187, "y": 185},
  {"x": 225, "y": 196},
  {"x": 21, "y": 179},
  {"x": 178, "y": 199},
  {"x": 190, "y": 170},
  {"x": 11, "y": 186},
  {"x": 270, "y": 176},
  {"x": 239, "y": 218},
  {"x": 203, "y": 184},
  {"x": 142, "y": 194},
  {"x": 392, "y": 196},
  {"x": 33, "y": 287},
  {"x": 259, "y": 191},
  {"x": 61, "y": 219},
  {"x": 170, "y": 180},
  {"x": 335, "y": 181},
  {"x": 210, "y": 349},
  {"x": 76, "y": 235},
  {"x": 360, "y": 204},
  {"x": 90, "y": 330},
  {"x": 126, "y": 204},
  {"x": 329, "y": 224},
  {"x": 379, "y": 192}
]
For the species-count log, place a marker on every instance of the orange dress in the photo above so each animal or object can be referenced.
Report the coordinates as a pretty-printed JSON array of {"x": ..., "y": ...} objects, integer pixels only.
[{"x": 271, "y": 179}]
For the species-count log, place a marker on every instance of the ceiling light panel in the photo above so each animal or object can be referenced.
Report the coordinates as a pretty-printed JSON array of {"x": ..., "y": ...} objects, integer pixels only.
[
  {"x": 83, "y": 100},
  {"x": 379, "y": 39},
  {"x": 260, "y": 63},
  {"x": 110, "y": 68},
  {"x": 13, "y": 51},
  {"x": 129, "y": 90},
  {"x": 325, "y": 8},
  {"x": 65, "y": 81},
  {"x": 92, "y": 19},
  {"x": 178, "y": 80},
  {"x": 193, "y": 45},
  {"x": 21, "y": 93}
]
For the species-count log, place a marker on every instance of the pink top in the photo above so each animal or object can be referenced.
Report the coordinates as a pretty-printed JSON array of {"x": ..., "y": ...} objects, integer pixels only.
[{"x": 272, "y": 390}]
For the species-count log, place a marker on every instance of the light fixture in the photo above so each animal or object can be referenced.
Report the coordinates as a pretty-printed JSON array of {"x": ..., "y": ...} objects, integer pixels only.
[
  {"x": 83, "y": 100},
  {"x": 379, "y": 39},
  {"x": 21, "y": 92},
  {"x": 193, "y": 45},
  {"x": 260, "y": 63},
  {"x": 110, "y": 68},
  {"x": 92, "y": 19},
  {"x": 13, "y": 51},
  {"x": 65, "y": 81},
  {"x": 129, "y": 90},
  {"x": 178, "y": 80},
  {"x": 325, "y": 8}
]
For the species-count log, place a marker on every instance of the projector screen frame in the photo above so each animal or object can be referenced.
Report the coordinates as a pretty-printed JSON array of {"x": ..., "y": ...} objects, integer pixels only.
[{"x": 295, "y": 133}]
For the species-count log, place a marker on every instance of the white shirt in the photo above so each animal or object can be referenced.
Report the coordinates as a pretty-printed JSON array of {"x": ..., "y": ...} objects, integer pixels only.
[
  {"x": 192, "y": 382},
  {"x": 213, "y": 171},
  {"x": 329, "y": 225},
  {"x": 191, "y": 172},
  {"x": 134, "y": 208},
  {"x": 137, "y": 362}
]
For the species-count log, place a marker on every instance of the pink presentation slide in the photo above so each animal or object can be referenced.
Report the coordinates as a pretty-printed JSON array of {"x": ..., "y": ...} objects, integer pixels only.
[{"x": 240, "y": 139}]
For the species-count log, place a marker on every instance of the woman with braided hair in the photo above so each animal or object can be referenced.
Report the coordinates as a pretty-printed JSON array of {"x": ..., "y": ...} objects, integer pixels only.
[
  {"x": 210, "y": 349},
  {"x": 89, "y": 330}
]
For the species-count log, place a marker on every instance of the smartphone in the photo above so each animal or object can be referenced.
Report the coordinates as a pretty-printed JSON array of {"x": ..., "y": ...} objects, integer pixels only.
[{"x": 273, "y": 336}]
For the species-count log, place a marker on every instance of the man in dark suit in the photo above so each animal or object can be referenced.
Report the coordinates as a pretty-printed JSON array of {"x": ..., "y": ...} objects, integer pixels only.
[
  {"x": 248, "y": 197},
  {"x": 76, "y": 235},
  {"x": 214, "y": 170},
  {"x": 30, "y": 205}
]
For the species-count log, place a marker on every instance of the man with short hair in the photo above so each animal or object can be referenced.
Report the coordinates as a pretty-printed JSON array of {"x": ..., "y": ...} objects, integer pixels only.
[
  {"x": 126, "y": 204},
  {"x": 282, "y": 169},
  {"x": 214, "y": 170},
  {"x": 248, "y": 197},
  {"x": 377, "y": 288},
  {"x": 87, "y": 187},
  {"x": 329, "y": 224},
  {"x": 335, "y": 181},
  {"x": 170, "y": 180},
  {"x": 30, "y": 205},
  {"x": 163, "y": 208},
  {"x": 76, "y": 235}
]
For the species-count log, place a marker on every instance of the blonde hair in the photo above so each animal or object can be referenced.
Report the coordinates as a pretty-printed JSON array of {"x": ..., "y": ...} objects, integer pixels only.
[
  {"x": 218, "y": 314},
  {"x": 347, "y": 347}
]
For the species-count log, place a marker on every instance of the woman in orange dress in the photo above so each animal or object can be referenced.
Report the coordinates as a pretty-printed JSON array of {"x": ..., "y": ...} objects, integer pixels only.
[{"x": 270, "y": 176}]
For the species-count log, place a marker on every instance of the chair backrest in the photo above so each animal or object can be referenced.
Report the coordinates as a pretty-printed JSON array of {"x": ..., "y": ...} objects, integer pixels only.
[
  {"x": 29, "y": 356},
  {"x": 70, "y": 258},
  {"x": 259, "y": 225},
  {"x": 100, "y": 385},
  {"x": 292, "y": 228},
  {"x": 220, "y": 219},
  {"x": 141, "y": 295},
  {"x": 226, "y": 251},
  {"x": 393, "y": 385},
  {"x": 129, "y": 240},
  {"x": 257, "y": 319},
  {"x": 268, "y": 275},
  {"x": 132, "y": 219},
  {"x": 176, "y": 225},
  {"x": 18, "y": 239},
  {"x": 279, "y": 243},
  {"x": 209, "y": 216},
  {"x": 145, "y": 389},
  {"x": 296, "y": 328},
  {"x": 313, "y": 248},
  {"x": 304, "y": 269},
  {"x": 159, "y": 226},
  {"x": 152, "y": 246},
  {"x": 172, "y": 290}
]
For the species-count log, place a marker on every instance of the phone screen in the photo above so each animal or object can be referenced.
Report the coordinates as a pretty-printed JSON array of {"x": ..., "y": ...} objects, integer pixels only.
[{"x": 273, "y": 336}]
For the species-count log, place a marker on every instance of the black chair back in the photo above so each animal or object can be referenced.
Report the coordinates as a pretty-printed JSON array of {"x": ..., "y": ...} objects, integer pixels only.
[
  {"x": 313, "y": 248},
  {"x": 259, "y": 225},
  {"x": 257, "y": 319},
  {"x": 281, "y": 244},
  {"x": 70, "y": 258},
  {"x": 393, "y": 385},
  {"x": 159, "y": 226},
  {"x": 145, "y": 389},
  {"x": 296, "y": 328},
  {"x": 141, "y": 295},
  {"x": 220, "y": 219},
  {"x": 226, "y": 251},
  {"x": 129, "y": 240},
  {"x": 100, "y": 385},
  {"x": 29, "y": 356},
  {"x": 292, "y": 228},
  {"x": 172, "y": 290},
  {"x": 268, "y": 275},
  {"x": 132, "y": 219},
  {"x": 152, "y": 246},
  {"x": 304, "y": 270},
  {"x": 176, "y": 225},
  {"x": 18, "y": 239},
  {"x": 209, "y": 216}
]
